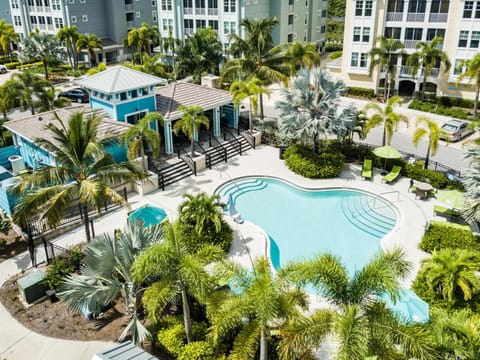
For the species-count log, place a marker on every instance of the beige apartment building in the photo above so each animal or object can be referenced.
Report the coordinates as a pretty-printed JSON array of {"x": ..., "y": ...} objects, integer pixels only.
[{"x": 410, "y": 21}]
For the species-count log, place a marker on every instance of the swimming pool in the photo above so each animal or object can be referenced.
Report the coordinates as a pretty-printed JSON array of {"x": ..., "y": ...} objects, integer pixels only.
[
  {"x": 150, "y": 215},
  {"x": 301, "y": 222}
]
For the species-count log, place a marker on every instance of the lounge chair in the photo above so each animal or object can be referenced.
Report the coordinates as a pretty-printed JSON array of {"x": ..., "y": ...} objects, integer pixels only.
[
  {"x": 367, "y": 169},
  {"x": 392, "y": 175},
  {"x": 446, "y": 212}
]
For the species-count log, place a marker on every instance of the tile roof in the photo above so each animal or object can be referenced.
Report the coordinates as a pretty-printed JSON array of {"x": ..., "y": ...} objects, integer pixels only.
[
  {"x": 119, "y": 79},
  {"x": 170, "y": 97}
]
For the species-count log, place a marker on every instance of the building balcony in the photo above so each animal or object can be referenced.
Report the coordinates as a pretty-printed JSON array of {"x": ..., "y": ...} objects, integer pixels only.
[
  {"x": 411, "y": 44},
  {"x": 416, "y": 17},
  {"x": 405, "y": 71},
  {"x": 130, "y": 24},
  {"x": 435, "y": 73},
  {"x": 394, "y": 16},
  {"x": 129, "y": 7},
  {"x": 199, "y": 11},
  {"x": 290, "y": 28},
  {"x": 189, "y": 31},
  {"x": 438, "y": 17},
  {"x": 188, "y": 11},
  {"x": 212, "y": 11}
]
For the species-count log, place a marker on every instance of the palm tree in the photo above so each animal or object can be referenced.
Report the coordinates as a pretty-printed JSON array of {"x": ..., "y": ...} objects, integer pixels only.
[
  {"x": 42, "y": 47},
  {"x": 310, "y": 106},
  {"x": 385, "y": 116},
  {"x": 262, "y": 300},
  {"x": 142, "y": 38},
  {"x": 432, "y": 130},
  {"x": 68, "y": 36},
  {"x": 107, "y": 275},
  {"x": 255, "y": 56},
  {"x": 428, "y": 55},
  {"x": 26, "y": 85},
  {"x": 201, "y": 210},
  {"x": 47, "y": 100},
  {"x": 190, "y": 123},
  {"x": 384, "y": 57},
  {"x": 83, "y": 170},
  {"x": 453, "y": 272},
  {"x": 170, "y": 44},
  {"x": 302, "y": 56},
  {"x": 471, "y": 208},
  {"x": 140, "y": 134},
  {"x": 251, "y": 90},
  {"x": 170, "y": 268},
  {"x": 7, "y": 97},
  {"x": 7, "y": 37},
  {"x": 89, "y": 42},
  {"x": 358, "y": 320},
  {"x": 472, "y": 72}
]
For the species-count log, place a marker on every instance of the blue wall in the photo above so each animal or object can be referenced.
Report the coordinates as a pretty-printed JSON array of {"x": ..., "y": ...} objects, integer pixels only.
[
  {"x": 5, "y": 202},
  {"x": 135, "y": 105},
  {"x": 102, "y": 105},
  {"x": 5, "y": 153},
  {"x": 119, "y": 152},
  {"x": 32, "y": 154}
]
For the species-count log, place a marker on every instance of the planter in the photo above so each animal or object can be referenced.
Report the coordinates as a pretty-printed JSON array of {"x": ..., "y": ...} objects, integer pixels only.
[
  {"x": 147, "y": 185},
  {"x": 257, "y": 136},
  {"x": 199, "y": 161}
]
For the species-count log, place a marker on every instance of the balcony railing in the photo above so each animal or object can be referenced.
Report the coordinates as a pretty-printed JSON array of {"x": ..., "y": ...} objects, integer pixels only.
[
  {"x": 188, "y": 11},
  {"x": 394, "y": 16},
  {"x": 188, "y": 31},
  {"x": 405, "y": 71},
  {"x": 290, "y": 28},
  {"x": 438, "y": 17},
  {"x": 415, "y": 16},
  {"x": 411, "y": 44},
  {"x": 130, "y": 24},
  {"x": 212, "y": 11},
  {"x": 439, "y": 46},
  {"x": 128, "y": 7},
  {"x": 290, "y": 9},
  {"x": 200, "y": 11}
]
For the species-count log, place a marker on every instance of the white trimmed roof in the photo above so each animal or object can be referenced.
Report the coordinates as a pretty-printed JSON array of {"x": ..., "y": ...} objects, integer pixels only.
[{"x": 119, "y": 79}]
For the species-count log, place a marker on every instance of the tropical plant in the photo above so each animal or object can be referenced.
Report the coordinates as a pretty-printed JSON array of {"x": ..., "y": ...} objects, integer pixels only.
[
  {"x": 310, "y": 108},
  {"x": 250, "y": 89},
  {"x": 471, "y": 72},
  {"x": 263, "y": 300},
  {"x": 169, "y": 45},
  {"x": 83, "y": 170},
  {"x": 47, "y": 100},
  {"x": 471, "y": 208},
  {"x": 68, "y": 36},
  {"x": 142, "y": 39},
  {"x": 89, "y": 42},
  {"x": 190, "y": 123},
  {"x": 25, "y": 86},
  {"x": 431, "y": 129},
  {"x": 141, "y": 134},
  {"x": 384, "y": 57},
  {"x": 427, "y": 56},
  {"x": 255, "y": 56},
  {"x": 385, "y": 116},
  {"x": 358, "y": 320},
  {"x": 452, "y": 272},
  {"x": 40, "y": 46},
  {"x": 7, "y": 37},
  {"x": 170, "y": 268},
  {"x": 8, "y": 95},
  {"x": 302, "y": 56},
  {"x": 107, "y": 275}
]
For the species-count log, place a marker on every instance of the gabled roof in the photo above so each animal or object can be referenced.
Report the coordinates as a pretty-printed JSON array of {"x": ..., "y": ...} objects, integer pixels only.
[
  {"x": 119, "y": 79},
  {"x": 170, "y": 97}
]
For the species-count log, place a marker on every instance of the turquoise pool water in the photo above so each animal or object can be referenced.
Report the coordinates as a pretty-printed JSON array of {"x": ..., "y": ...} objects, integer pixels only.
[
  {"x": 302, "y": 223},
  {"x": 150, "y": 215}
]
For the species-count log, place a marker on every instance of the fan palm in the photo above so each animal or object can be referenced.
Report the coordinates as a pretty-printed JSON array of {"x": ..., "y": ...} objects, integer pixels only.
[
  {"x": 68, "y": 36},
  {"x": 359, "y": 322},
  {"x": 83, "y": 170},
  {"x": 472, "y": 72},
  {"x": 27, "y": 85},
  {"x": 262, "y": 300},
  {"x": 385, "y": 116},
  {"x": 107, "y": 275},
  {"x": 140, "y": 134},
  {"x": 432, "y": 130},
  {"x": 426, "y": 57},
  {"x": 190, "y": 123},
  {"x": 89, "y": 42},
  {"x": 170, "y": 268}
]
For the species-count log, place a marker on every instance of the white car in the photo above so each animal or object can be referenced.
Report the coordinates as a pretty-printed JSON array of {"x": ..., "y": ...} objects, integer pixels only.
[{"x": 455, "y": 130}]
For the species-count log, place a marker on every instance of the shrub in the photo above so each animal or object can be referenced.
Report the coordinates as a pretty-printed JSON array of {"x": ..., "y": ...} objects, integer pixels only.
[
  {"x": 437, "y": 109},
  {"x": 362, "y": 92},
  {"x": 439, "y": 236},
  {"x": 335, "y": 55},
  {"x": 197, "y": 350},
  {"x": 331, "y": 47},
  {"x": 5, "y": 226},
  {"x": 12, "y": 65},
  {"x": 415, "y": 172},
  {"x": 453, "y": 101},
  {"x": 301, "y": 160},
  {"x": 58, "y": 269},
  {"x": 223, "y": 238}
]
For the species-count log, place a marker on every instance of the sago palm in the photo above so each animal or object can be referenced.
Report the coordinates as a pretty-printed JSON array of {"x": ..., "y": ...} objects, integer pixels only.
[
  {"x": 193, "y": 118},
  {"x": 427, "y": 127},
  {"x": 472, "y": 72}
]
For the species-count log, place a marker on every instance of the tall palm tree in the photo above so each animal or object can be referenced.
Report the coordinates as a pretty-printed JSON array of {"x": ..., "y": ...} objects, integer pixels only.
[
  {"x": 107, "y": 274},
  {"x": 89, "y": 42},
  {"x": 358, "y": 320},
  {"x": 310, "y": 106},
  {"x": 452, "y": 272},
  {"x": 170, "y": 268},
  {"x": 68, "y": 36},
  {"x": 26, "y": 86},
  {"x": 385, "y": 116},
  {"x": 250, "y": 89},
  {"x": 83, "y": 170},
  {"x": 8, "y": 96},
  {"x": 384, "y": 57},
  {"x": 471, "y": 208},
  {"x": 431, "y": 129},
  {"x": 255, "y": 55},
  {"x": 140, "y": 134},
  {"x": 190, "y": 123},
  {"x": 302, "y": 56},
  {"x": 427, "y": 56},
  {"x": 472, "y": 72},
  {"x": 7, "y": 37},
  {"x": 262, "y": 300}
]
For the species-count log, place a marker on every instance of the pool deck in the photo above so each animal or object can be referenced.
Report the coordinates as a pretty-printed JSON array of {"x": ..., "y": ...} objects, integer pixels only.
[{"x": 249, "y": 239}]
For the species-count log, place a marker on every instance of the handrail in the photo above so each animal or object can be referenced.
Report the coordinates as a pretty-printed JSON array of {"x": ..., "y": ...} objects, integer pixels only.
[
  {"x": 182, "y": 154},
  {"x": 235, "y": 140},
  {"x": 392, "y": 192},
  {"x": 207, "y": 155},
  {"x": 249, "y": 137},
  {"x": 217, "y": 146}
]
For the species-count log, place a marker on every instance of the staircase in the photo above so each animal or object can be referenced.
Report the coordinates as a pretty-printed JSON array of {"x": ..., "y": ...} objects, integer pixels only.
[{"x": 172, "y": 173}]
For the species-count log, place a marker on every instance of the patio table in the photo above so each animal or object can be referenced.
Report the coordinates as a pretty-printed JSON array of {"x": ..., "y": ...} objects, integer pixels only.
[{"x": 423, "y": 189}]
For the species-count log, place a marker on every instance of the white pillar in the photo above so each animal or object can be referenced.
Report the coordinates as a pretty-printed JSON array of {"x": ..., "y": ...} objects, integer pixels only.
[
  {"x": 167, "y": 129},
  {"x": 216, "y": 122}
]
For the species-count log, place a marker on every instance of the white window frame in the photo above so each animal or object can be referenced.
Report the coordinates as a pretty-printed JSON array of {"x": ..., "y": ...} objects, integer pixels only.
[
  {"x": 84, "y": 18},
  {"x": 73, "y": 19}
]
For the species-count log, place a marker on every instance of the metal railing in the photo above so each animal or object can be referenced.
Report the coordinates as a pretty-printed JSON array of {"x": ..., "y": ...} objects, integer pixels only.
[
  {"x": 417, "y": 17},
  {"x": 199, "y": 11},
  {"x": 235, "y": 143},
  {"x": 249, "y": 137},
  {"x": 394, "y": 16},
  {"x": 182, "y": 154},
  {"x": 212, "y": 11},
  {"x": 438, "y": 17},
  {"x": 218, "y": 147},
  {"x": 188, "y": 11},
  {"x": 411, "y": 44}
]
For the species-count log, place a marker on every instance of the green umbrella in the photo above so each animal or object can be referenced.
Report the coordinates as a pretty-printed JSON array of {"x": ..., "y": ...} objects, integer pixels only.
[
  {"x": 386, "y": 152},
  {"x": 452, "y": 198}
]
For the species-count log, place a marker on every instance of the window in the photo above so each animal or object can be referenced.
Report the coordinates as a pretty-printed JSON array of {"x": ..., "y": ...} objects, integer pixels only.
[
  {"x": 188, "y": 24},
  {"x": 33, "y": 20},
  {"x": 58, "y": 23},
  {"x": 84, "y": 18},
  {"x": 477, "y": 10},
  {"x": 41, "y": 20},
  {"x": 72, "y": 1},
  {"x": 356, "y": 33},
  {"x": 368, "y": 8},
  {"x": 413, "y": 34},
  {"x": 458, "y": 69},
  {"x": 439, "y": 6},
  {"x": 134, "y": 94},
  {"x": 324, "y": 13},
  {"x": 73, "y": 19},
  {"x": 213, "y": 4},
  {"x": 432, "y": 33},
  {"x": 154, "y": 16},
  {"x": 188, "y": 3},
  {"x": 393, "y": 33},
  {"x": 200, "y": 24},
  {"x": 358, "y": 8},
  {"x": 229, "y": 6},
  {"x": 463, "y": 39},
  {"x": 290, "y": 38},
  {"x": 49, "y": 20},
  {"x": 154, "y": 3},
  {"x": 354, "y": 60},
  {"x": 14, "y": 4},
  {"x": 395, "y": 6},
  {"x": 38, "y": 2},
  {"x": 467, "y": 9},
  {"x": 123, "y": 96},
  {"x": 363, "y": 60},
  {"x": 290, "y": 19},
  {"x": 417, "y": 6},
  {"x": 17, "y": 21},
  {"x": 290, "y": 2},
  {"x": 229, "y": 27},
  {"x": 322, "y": 29},
  {"x": 167, "y": 5},
  {"x": 475, "y": 40},
  {"x": 306, "y": 18},
  {"x": 55, "y": 4},
  {"x": 213, "y": 24},
  {"x": 366, "y": 34}
]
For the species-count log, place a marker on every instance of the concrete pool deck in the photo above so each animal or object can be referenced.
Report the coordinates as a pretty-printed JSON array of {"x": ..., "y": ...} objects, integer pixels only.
[{"x": 413, "y": 215}]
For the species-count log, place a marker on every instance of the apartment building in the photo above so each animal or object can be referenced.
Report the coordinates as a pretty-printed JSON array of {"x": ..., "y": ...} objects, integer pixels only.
[
  {"x": 410, "y": 21},
  {"x": 303, "y": 20},
  {"x": 110, "y": 20}
]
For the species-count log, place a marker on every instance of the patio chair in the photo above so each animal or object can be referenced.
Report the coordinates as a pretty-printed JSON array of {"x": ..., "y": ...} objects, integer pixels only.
[
  {"x": 367, "y": 169},
  {"x": 393, "y": 174},
  {"x": 446, "y": 212}
]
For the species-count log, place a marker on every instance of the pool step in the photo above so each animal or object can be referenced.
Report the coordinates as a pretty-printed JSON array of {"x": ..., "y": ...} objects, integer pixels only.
[{"x": 237, "y": 188}]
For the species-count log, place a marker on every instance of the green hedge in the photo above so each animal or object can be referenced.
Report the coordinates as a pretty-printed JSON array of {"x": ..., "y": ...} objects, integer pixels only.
[
  {"x": 438, "y": 109},
  {"x": 440, "y": 236},
  {"x": 197, "y": 350},
  {"x": 453, "y": 101},
  {"x": 301, "y": 160},
  {"x": 362, "y": 92},
  {"x": 335, "y": 55}
]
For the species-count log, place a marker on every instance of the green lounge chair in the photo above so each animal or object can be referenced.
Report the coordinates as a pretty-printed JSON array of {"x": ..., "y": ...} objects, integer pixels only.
[
  {"x": 392, "y": 175},
  {"x": 446, "y": 212},
  {"x": 367, "y": 169}
]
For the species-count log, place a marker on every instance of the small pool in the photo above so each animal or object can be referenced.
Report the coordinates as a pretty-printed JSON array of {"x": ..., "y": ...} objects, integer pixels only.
[
  {"x": 149, "y": 215},
  {"x": 301, "y": 223}
]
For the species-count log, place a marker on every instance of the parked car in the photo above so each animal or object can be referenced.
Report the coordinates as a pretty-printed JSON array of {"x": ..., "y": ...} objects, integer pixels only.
[
  {"x": 455, "y": 130},
  {"x": 3, "y": 69},
  {"x": 78, "y": 95}
]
